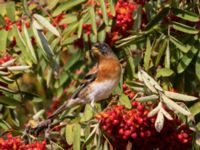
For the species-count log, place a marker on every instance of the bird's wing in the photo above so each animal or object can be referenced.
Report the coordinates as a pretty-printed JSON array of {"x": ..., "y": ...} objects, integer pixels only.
[{"x": 91, "y": 76}]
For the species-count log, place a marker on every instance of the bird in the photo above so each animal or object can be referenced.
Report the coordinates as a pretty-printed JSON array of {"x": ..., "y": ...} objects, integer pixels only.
[{"x": 99, "y": 82}]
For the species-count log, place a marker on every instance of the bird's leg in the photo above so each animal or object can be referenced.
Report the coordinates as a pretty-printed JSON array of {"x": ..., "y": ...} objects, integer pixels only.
[{"x": 94, "y": 108}]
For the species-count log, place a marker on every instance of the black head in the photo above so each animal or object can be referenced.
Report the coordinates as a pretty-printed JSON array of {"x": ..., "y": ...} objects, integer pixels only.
[{"x": 101, "y": 49}]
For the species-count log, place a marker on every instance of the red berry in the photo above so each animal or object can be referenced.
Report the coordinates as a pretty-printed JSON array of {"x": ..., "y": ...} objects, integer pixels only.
[
  {"x": 134, "y": 135},
  {"x": 135, "y": 104},
  {"x": 121, "y": 131},
  {"x": 115, "y": 122},
  {"x": 124, "y": 86},
  {"x": 127, "y": 133}
]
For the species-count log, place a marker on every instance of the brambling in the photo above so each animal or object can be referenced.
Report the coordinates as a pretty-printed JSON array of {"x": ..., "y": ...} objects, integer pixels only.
[{"x": 98, "y": 84}]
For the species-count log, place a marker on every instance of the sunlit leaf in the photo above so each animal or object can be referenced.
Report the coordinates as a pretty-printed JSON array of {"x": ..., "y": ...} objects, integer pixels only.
[
  {"x": 10, "y": 8},
  {"x": 18, "y": 68},
  {"x": 194, "y": 109},
  {"x": 147, "y": 55},
  {"x": 154, "y": 111},
  {"x": 3, "y": 40},
  {"x": 77, "y": 137},
  {"x": 174, "y": 106},
  {"x": 69, "y": 134},
  {"x": 52, "y": 4},
  {"x": 104, "y": 12},
  {"x": 184, "y": 28},
  {"x": 80, "y": 28},
  {"x": 8, "y": 63},
  {"x": 159, "y": 123},
  {"x": 181, "y": 97},
  {"x": 66, "y": 6},
  {"x": 124, "y": 100},
  {"x": 147, "y": 98},
  {"x": 93, "y": 20},
  {"x": 43, "y": 21},
  {"x": 88, "y": 113},
  {"x": 166, "y": 114},
  {"x": 29, "y": 45},
  {"x": 164, "y": 72},
  {"x": 150, "y": 82}
]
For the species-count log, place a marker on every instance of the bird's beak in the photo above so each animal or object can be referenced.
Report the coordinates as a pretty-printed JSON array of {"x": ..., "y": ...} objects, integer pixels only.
[{"x": 95, "y": 50}]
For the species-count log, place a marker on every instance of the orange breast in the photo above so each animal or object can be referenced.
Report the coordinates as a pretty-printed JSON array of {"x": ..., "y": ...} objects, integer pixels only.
[{"x": 109, "y": 68}]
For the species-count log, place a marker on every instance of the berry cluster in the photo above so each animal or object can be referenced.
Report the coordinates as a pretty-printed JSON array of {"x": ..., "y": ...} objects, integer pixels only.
[
  {"x": 56, "y": 21},
  {"x": 5, "y": 59},
  {"x": 87, "y": 28},
  {"x": 16, "y": 143},
  {"x": 124, "y": 125},
  {"x": 124, "y": 15},
  {"x": 9, "y": 24},
  {"x": 128, "y": 91}
]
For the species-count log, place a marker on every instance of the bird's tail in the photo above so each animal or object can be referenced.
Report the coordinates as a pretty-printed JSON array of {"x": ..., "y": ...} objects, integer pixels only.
[{"x": 68, "y": 104}]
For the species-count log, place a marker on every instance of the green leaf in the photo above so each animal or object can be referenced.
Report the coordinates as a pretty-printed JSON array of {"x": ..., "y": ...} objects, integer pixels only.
[
  {"x": 194, "y": 109},
  {"x": 164, "y": 72},
  {"x": 10, "y": 8},
  {"x": 77, "y": 137},
  {"x": 101, "y": 35},
  {"x": 159, "y": 123},
  {"x": 93, "y": 20},
  {"x": 112, "y": 7},
  {"x": 2, "y": 21},
  {"x": 29, "y": 45},
  {"x": 18, "y": 68},
  {"x": 70, "y": 40},
  {"x": 52, "y": 4},
  {"x": 147, "y": 55},
  {"x": 80, "y": 28},
  {"x": 138, "y": 18},
  {"x": 47, "y": 48},
  {"x": 186, "y": 15},
  {"x": 69, "y": 134},
  {"x": 22, "y": 45},
  {"x": 181, "y": 97},
  {"x": 43, "y": 21},
  {"x": 197, "y": 66},
  {"x": 104, "y": 12},
  {"x": 161, "y": 52},
  {"x": 167, "y": 56},
  {"x": 149, "y": 81},
  {"x": 158, "y": 17},
  {"x": 69, "y": 18},
  {"x": 174, "y": 106},
  {"x": 155, "y": 110},
  {"x": 124, "y": 100},
  {"x": 25, "y": 7},
  {"x": 184, "y": 48},
  {"x": 187, "y": 58},
  {"x": 147, "y": 98},
  {"x": 66, "y": 6},
  {"x": 88, "y": 113},
  {"x": 3, "y": 125},
  {"x": 184, "y": 28},
  {"x": 8, "y": 101},
  {"x": 8, "y": 63},
  {"x": 3, "y": 40}
]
